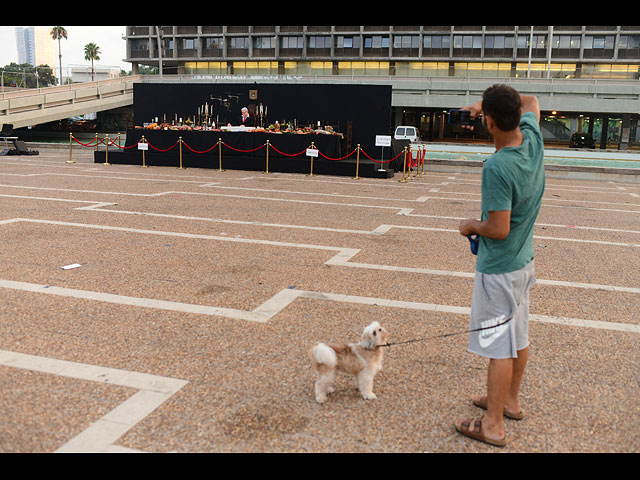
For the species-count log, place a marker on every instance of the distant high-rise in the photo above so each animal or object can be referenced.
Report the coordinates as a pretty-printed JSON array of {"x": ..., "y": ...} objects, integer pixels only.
[{"x": 35, "y": 46}]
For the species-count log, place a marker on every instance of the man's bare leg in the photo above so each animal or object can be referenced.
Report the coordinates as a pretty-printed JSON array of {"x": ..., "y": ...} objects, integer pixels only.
[
  {"x": 503, "y": 386},
  {"x": 512, "y": 401},
  {"x": 498, "y": 388}
]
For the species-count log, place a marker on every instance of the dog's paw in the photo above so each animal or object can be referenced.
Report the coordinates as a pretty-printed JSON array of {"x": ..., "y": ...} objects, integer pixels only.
[
  {"x": 321, "y": 398},
  {"x": 369, "y": 396}
]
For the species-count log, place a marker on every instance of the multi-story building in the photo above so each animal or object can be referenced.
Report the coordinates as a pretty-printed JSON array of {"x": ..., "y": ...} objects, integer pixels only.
[
  {"x": 35, "y": 46},
  {"x": 83, "y": 73},
  {"x": 403, "y": 54}
]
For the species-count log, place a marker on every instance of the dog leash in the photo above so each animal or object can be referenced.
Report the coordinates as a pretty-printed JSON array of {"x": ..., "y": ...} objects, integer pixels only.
[
  {"x": 448, "y": 334},
  {"x": 473, "y": 241}
]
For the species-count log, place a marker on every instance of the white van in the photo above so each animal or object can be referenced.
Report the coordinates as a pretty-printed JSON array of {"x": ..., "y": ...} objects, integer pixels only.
[{"x": 407, "y": 133}]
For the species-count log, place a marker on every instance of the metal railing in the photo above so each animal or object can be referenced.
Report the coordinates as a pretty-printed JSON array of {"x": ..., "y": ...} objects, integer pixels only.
[{"x": 26, "y": 92}]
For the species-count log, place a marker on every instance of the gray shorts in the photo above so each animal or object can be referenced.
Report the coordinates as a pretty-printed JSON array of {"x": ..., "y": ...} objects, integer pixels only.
[{"x": 501, "y": 300}]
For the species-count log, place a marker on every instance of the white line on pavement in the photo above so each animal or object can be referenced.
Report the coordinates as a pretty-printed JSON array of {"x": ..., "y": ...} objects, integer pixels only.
[{"x": 100, "y": 436}]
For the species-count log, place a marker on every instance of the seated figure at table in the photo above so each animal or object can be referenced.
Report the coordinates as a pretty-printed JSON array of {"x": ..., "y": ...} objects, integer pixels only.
[{"x": 246, "y": 119}]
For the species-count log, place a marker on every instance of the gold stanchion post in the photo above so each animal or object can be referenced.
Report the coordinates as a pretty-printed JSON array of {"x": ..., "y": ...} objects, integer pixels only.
[
  {"x": 180, "y": 141},
  {"x": 106, "y": 155},
  {"x": 404, "y": 167},
  {"x": 424, "y": 155},
  {"x": 70, "y": 148},
  {"x": 97, "y": 142},
  {"x": 410, "y": 162},
  {"x": 357, "y": 161},
  {"x": 267, "y": 168},
  {"x": 311, "y": 170},
  {"x": 220, "y": 155},
  {"x": 144, "y": 163}
]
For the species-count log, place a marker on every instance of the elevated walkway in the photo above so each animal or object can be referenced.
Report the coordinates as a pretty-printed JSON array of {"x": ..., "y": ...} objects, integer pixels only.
[{"x": 35, "y": 106}]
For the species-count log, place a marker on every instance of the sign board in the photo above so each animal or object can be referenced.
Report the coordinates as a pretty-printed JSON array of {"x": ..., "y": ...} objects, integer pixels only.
[
  {"x": 383, "y": 140},
  {"x": 143, "y": 146},
  {"x": 312, "y": 152}
]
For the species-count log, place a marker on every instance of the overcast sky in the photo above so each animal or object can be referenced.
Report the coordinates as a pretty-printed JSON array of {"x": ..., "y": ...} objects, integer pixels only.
[{"x": 109, "y": 39}]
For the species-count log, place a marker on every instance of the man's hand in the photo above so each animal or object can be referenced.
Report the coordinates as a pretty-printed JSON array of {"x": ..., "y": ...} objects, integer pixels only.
[
  {"x": 467, "y": 227},
  {"x": 476, "y": 111},
  {"x": 497, "y": 226}
]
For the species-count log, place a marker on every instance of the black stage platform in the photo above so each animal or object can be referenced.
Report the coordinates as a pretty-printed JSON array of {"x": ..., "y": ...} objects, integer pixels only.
[
  {"x": 244, "y": 151},
  {"x": 359, "y": 112}
]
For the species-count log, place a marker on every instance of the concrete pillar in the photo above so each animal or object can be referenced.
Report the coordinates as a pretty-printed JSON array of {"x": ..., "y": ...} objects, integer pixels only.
[
  {"x": 603, "y": 134},
  {"x": 432, "y": 121},
  {"x": 626, "y": 129}
]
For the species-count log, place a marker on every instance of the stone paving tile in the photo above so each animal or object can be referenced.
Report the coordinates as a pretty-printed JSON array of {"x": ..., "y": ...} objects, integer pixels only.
[{"x": 248, "y": 386}]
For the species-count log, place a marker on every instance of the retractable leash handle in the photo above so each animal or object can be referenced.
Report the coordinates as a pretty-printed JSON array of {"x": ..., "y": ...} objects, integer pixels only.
[{"x": 474, "y": 240}]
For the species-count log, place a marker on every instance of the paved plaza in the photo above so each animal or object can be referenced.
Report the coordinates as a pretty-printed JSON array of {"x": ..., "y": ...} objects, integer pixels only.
[{"x": 183, "y": 320}]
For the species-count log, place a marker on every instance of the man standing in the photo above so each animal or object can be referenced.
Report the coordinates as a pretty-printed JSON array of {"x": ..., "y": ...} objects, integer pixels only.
[{"x": 512, "y": 187}]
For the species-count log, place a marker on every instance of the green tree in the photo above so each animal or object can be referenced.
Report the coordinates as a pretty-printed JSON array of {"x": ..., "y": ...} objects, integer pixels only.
[
  {"x": 25, "y": 76},
  {"x": 147, "y": 70},
  {"x": 13, "y": 75},
  {"x": 58, "y": 33},
  {"x": 45, "y": 76},
  {"x": 92, "y": 52}
]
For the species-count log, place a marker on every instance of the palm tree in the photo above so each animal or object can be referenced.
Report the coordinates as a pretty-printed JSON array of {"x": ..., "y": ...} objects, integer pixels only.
[
  {"x": 92, "y": 52},
  {"x": 58, "y": 33}
]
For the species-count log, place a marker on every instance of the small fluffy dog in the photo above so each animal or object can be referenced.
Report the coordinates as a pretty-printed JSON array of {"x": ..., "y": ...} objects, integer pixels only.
[{"x": 363, "y": 360}]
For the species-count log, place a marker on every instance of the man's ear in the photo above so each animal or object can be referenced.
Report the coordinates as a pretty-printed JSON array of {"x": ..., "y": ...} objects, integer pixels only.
[{"x": 488, "y": 122}]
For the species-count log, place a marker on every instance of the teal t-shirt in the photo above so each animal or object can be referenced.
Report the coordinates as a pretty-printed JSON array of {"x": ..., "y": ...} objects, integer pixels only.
[{"x": 513, "y": 179}]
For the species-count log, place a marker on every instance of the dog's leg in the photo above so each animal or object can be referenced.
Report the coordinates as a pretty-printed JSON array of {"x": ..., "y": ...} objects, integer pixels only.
[
  {"x": 365, "y": 384},
  {"x": 323, "y": 385}
]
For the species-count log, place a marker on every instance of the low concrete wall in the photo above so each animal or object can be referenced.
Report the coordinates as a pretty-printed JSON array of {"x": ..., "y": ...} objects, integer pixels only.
[{"x": 622, "y": 175}]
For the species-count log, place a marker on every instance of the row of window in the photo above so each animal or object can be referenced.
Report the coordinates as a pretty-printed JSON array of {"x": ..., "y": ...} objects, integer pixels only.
[
  {"x": 239, "y": 29},
  {"x": 415, "y": 69},
  {"x": 431, "y": 44}
]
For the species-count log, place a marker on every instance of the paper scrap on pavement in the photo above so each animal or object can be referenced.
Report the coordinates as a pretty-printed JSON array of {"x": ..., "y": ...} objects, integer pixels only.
[{"x": 69, "y": 267}]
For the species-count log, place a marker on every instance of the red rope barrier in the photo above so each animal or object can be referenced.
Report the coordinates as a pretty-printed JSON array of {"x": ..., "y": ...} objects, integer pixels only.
[
  {"x": 112, "y": 142},
  {"x": 244, "y": 151},
  {"x": 380, "y": 161},
  {"x": 159, "y": 150},
  {"x": 203, "y": 151},
  {"x": 90, "y": 144},
  {"x": 337, "y": 159},
  {"x": 287, "y": 154}
]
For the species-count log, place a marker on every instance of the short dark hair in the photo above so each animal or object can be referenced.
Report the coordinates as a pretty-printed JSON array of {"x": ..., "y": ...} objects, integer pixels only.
[{"x": 504, "y": 105}]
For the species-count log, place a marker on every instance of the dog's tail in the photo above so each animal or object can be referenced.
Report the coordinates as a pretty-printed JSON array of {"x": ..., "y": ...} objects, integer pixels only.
[{"x": 323, "y": 353}]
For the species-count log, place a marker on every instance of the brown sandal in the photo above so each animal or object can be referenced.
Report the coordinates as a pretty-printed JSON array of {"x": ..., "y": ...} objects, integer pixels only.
[
  {"x": 476, "y": 432},
  {"x": 482, "y": 403}
]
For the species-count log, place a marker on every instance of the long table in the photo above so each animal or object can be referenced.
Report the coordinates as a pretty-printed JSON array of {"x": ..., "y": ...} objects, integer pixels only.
[{"x": 236, "y": 144}]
